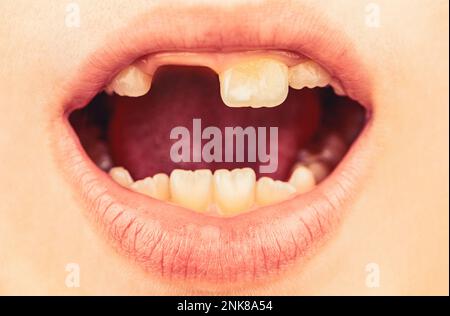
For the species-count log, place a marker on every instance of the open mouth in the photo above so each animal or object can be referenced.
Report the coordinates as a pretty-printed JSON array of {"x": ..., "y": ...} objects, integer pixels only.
[
  {"x": 217, "y": 161},
  {"x": 220, "y": 144}
]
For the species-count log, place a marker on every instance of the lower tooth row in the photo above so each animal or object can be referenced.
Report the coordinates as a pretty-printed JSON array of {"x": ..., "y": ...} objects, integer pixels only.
[
  {"x": 226, "y": 192},
  {"x": 231, "y": 192}
]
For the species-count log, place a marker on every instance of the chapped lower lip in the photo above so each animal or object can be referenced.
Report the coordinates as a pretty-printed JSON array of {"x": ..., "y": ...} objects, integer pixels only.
[{"x": 178, "y": 244}]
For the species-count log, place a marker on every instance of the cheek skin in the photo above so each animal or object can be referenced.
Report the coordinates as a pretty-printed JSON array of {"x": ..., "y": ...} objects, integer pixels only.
[{"x": 399, "y": 222}]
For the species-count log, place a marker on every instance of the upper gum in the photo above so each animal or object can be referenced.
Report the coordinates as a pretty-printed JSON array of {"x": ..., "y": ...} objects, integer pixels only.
[{"x": 217, "y": 61}]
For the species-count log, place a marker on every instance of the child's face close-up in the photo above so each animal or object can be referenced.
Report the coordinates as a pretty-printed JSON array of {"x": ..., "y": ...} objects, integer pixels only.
[{"x": 224, "y": 147}]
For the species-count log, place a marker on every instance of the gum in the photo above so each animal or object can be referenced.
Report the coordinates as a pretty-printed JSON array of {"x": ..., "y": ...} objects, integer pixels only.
[{"x": 217, "y": 61}]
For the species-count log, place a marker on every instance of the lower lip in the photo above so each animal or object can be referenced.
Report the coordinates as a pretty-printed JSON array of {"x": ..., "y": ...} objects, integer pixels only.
[{"x": 175, "y": 243}]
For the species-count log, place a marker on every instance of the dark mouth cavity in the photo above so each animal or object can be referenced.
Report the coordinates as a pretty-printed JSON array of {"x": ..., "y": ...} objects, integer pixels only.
[{"x": 135, "y": 132}]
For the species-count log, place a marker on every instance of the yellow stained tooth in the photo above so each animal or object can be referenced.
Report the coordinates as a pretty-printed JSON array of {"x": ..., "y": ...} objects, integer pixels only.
[
  {"x": 156, "y": 187},
  {"x": 121, "y": 176},
  {"x": 269, "y": 191},
  {"x": 260, "y": 82},
  {"x": 191, "y": 189},
  {"x": 131, "y": 82},
  {"x": 302, "y": 179},
  {"x": 162, "y": 185},
  {"x": 308, "y": 74},
  {"x": 234, "y": 191}
]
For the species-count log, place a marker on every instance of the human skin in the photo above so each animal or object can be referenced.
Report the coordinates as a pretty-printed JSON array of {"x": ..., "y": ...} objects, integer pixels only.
[{"x": 397, "y": 220}]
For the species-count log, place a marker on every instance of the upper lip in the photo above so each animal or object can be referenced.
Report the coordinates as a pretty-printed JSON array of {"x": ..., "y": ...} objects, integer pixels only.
[{"x": 176, "y": 243}]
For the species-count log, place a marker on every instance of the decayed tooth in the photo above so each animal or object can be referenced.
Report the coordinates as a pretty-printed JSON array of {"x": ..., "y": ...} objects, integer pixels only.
[
  {"x": 320, "y": 170},
  {"x": 121, "y": 176},
  {"x": 156, "y": 187},
  {"x": 234, "y": 191},
  {"x": 302, "y": 179},
  {"x": 131, "y": 82},
  {"x": 191, "y": 189},
  {"x": 269, "y": 191},
  {"x": 255, "y": 83},
  {"x": 333, "y": 150},
  {"x": 308, "y": 74},
  {"x": 305, "y": 156}
]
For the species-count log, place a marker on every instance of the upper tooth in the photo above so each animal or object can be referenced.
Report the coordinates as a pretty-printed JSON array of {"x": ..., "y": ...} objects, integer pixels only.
[
  {"x": 121, "y": 176},
  {"x": 255, "y": 83},
  {"x": 308, "y": 74},
  {"x": 156, "y": 186},
  {"x": 191, "y": 189},
  {"x": 302, "y": 179},
  {"x": 131, "y": 82},
  {"x": 269, "y": 191},
  {"x": 234, "y": 191}
]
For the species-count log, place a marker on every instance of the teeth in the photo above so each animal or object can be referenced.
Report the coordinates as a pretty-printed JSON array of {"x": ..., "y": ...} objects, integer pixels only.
[
  {"x": 191, "y": 189},
  {"x": 269, "y": 191},
  {"x": 231, "y": 192},
  {"x": 156, "y": 187},
  {"x": 333, "y": 149},
  {"x": 337, "y": 88},
  {"x": 309, "y": 75},
  {"x": 320, "y": 170},
  {"x": 234, "y": 191},
  {"x": 255, "y": 83},
  {"x": 121, "y": 176},
  {"x": 131, "y": 82},
  {"x": 302, "y": 179}
]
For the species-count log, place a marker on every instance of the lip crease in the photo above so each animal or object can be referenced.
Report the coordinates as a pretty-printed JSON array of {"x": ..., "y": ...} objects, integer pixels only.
[{"x": 173, "y": 242}]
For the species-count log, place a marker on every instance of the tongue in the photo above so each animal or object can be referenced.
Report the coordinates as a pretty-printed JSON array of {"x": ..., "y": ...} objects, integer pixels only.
[{"x": 139, "y": 130}]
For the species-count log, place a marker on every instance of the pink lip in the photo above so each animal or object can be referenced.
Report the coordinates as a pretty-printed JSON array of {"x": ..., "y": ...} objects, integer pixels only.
[{"x": 176, "y": 243}]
